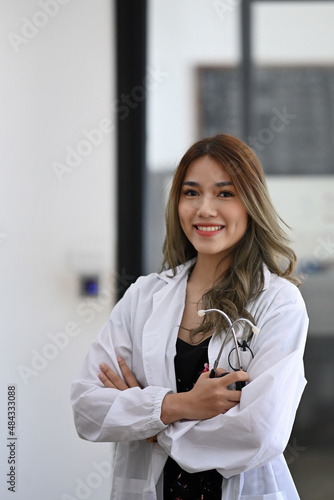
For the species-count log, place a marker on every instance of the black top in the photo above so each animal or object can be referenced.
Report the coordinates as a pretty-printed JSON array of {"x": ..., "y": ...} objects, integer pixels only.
[{"x": 190, "y": 361}]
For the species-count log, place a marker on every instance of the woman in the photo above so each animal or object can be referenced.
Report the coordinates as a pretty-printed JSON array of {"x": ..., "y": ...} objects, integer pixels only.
[{"x": 181, "y": 434}]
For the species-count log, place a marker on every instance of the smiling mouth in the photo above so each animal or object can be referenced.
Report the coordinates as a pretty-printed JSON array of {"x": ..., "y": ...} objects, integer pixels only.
[{"x": 209, "y": 228}]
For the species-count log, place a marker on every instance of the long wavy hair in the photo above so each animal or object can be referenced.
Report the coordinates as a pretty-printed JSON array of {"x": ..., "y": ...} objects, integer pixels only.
[{"x": 264, "y": 242}]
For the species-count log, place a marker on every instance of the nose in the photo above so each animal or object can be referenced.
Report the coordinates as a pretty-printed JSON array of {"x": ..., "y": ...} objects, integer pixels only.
[{"x": 206, "y": 207}]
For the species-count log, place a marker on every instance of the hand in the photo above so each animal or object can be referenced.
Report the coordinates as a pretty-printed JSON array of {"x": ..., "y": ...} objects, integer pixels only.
[
  {"x": 110, "y": 378},
  {"x": 208, "y": 398},
  {"x": 211, "y": 399}
]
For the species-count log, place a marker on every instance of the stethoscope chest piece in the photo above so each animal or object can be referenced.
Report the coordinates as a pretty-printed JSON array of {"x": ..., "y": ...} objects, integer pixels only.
[
  {"x": 245, "y": 356},
  {"x": 240, "y": 355}
]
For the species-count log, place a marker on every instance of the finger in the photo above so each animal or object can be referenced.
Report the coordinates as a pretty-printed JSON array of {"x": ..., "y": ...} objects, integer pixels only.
[
  {"x": 220, "y": 371},
  {"x": 233, "y": 377},
  {"x": 113, "y": 378},
  {"x": 229, "y": 406},
  {"x": 233, "y": 397},
  {"x": 129, "y": 378},
  {"x": 106, "y": 382}
]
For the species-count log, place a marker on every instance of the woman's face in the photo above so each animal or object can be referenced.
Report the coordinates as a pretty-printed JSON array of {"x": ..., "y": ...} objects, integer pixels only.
[{"x": 211, "y": 214}]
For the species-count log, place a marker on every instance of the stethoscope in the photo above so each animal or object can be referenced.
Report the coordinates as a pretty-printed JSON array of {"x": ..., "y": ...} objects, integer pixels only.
[{"x": 244, "y": 346}]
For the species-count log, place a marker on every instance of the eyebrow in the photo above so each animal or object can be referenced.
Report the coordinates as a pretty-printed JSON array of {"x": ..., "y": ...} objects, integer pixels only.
[{"x": 217, "y": 184}]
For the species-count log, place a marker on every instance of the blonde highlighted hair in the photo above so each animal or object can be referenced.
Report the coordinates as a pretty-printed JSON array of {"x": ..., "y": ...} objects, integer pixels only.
[{"x": 265, "y": 241}]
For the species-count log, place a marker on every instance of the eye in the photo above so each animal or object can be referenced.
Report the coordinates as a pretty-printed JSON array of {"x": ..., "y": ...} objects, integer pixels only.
[
  {"x": 190, "y": 192},
  {"x": 225, "y": 194}
]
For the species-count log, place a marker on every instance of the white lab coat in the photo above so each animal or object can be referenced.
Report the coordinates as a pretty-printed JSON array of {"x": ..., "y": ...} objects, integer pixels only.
[{"x": 245, "y": 445}]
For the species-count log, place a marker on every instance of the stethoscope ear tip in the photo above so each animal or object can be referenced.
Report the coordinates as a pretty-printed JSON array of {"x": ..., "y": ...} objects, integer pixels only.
[
  {"x": 255, "y": 330},
  {"x": 201, "y": 313}
]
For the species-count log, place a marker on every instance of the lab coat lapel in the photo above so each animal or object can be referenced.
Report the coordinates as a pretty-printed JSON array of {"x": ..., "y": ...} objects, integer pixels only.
[{"x": 161, "y": 330}]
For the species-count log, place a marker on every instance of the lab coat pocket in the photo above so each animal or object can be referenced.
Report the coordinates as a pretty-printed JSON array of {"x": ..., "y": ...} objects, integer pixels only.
[{"x": 279, "y": 495}]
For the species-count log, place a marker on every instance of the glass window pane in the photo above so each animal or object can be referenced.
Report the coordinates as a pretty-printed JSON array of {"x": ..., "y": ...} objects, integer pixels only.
[{"x": 183, "y": 36}]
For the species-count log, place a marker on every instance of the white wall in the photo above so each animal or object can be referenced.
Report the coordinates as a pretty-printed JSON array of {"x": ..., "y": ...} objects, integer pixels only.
[
  {"x": 182, "y": 35},
  {"x": 57, "y": 220},
  {"x": 293, "y": 32}
]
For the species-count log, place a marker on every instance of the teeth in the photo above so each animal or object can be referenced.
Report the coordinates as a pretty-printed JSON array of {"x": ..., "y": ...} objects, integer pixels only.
[{"x": 209, "y": 228}]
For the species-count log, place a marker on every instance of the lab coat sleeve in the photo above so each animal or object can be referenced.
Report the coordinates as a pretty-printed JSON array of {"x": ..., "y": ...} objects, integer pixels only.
[
  {"x": 258, "y": 428},
  {"x": 105, "y": 414}
]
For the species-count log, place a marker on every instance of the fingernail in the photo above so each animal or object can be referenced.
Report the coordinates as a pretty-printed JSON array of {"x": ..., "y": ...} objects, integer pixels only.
[
  {"x": 102, "y": 366},
  {"x": 119, "y": 359}
]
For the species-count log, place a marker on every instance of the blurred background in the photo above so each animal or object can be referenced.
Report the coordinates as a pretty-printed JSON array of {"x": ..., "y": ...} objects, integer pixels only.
[{"x": 99, "y": 101}]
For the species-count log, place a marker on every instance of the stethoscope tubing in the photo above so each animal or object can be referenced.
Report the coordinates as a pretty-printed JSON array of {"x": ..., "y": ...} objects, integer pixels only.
[{"x": 230, "y": 330}]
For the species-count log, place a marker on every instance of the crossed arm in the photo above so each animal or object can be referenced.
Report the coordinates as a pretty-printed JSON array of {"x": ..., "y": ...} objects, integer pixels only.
[{"x": 208, "y": 398}]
